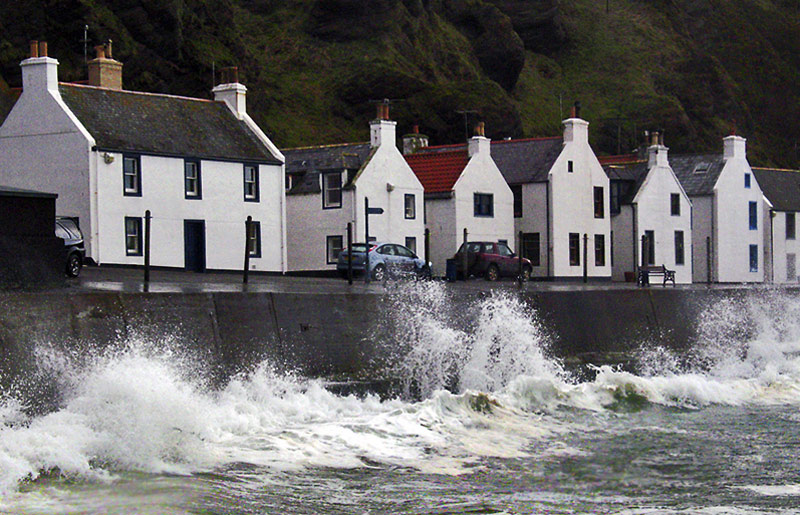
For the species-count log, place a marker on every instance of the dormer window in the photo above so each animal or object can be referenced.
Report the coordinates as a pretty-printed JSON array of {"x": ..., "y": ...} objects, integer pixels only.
[
  {"x": 191, "y": 175},
  {"x": 701, "y": 168},
  {"x": 332, "y": 190}
]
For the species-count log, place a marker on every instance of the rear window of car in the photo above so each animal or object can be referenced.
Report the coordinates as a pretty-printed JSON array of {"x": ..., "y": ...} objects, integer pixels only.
[{"x": 360, "y": 247}]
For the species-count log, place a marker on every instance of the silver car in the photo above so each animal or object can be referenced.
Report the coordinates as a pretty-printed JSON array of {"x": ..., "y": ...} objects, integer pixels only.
[{"x": 385, "y": 260}]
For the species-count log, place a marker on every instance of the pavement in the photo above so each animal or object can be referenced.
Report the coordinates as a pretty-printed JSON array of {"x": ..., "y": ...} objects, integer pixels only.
[{"x": 118, "y": 279}]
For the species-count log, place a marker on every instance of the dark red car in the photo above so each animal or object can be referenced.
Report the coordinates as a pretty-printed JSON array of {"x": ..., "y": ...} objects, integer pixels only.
[{"x": 491, "y": 260}]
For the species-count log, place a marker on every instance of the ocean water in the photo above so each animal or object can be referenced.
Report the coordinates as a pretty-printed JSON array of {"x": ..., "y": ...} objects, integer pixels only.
[{"x": 489, "y": 424}]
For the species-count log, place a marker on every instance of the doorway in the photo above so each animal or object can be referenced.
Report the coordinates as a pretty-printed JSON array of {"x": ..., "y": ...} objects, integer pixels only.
[{"x": 194, "y": 237}]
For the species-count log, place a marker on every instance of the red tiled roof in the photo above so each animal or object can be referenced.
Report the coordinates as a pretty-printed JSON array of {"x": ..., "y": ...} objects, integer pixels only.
[
  {"x": 619, "y": 160},
  {"x": 439, "y": 171}
]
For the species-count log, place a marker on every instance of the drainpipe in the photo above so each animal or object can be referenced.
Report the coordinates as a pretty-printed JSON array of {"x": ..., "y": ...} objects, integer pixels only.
[
  {"x": 94, "y": 155},
  {"x": 710, "y": 245},
  {"x": 284, "y": 250},
  {"x": 549, "y": 236},
  {"x": 771, "y": 246},
  {"x": 634, "y": 231}
]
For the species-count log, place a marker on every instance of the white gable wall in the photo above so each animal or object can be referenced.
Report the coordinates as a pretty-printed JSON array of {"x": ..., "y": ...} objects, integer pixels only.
[
  {"x": 733, "y": 236},
  {"x": 572, "y": 204},
  {"x": 653, "y": 213},
  {"x": 534, "y": 220}
]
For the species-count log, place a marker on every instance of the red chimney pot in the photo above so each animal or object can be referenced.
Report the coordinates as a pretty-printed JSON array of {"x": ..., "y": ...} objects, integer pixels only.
[
  {"x": 34, "y": 48},
  {"x": 42, "y": 48}
]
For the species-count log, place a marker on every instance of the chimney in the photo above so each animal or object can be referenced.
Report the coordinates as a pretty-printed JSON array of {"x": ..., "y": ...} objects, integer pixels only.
[
  {"x": 231, "y": 91},
  {"x": 734, "y": 147},
  {"x": 414, "y": 141},
  {"x": 104, "y": 71},
  {"x": 575, "y": 129},
  {"x": 39, "y": 72},
  {"x": 657, "y": 152},
  {"x": 479, "y": 143},
  {"x": 382, "y": 130}
]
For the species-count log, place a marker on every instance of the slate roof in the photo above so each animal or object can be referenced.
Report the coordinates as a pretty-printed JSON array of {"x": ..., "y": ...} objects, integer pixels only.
[
  {"x": 307, "y": 163},
  {"x": 132, "y": 121},
  {"x": 687, "y": 168},
  {"x": 438, "y": 171},
  {"x": 519, "y": 160},
  {"x": 8, "y": 191},
  {"x": 781, "y": 187}
]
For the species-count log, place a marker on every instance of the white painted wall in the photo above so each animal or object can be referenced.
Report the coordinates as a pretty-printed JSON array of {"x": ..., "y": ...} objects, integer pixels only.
[
  {"x": 43, "y": 147},
  {"x": 702, "y": 231},
  {"x": 782, "y": 247},
  {"x": 533, "y": 220},
  {"x": 222, "y": 207},
  {"x": 445, "y": 237},
  {"x": 733, "y": 236},
  {"x": 309, "y": 226},
  {"x": 653, "y": 213},
  {"x": 623, "y": 235},
  {"x": 572, "y": 203}
]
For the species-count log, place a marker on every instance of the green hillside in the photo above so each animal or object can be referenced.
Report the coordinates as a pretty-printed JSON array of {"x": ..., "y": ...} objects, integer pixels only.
[{"x": 694, "y": 68}]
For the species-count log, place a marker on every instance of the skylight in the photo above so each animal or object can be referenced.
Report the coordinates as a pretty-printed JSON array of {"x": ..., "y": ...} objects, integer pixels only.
[{"x": 701, "y": 168}]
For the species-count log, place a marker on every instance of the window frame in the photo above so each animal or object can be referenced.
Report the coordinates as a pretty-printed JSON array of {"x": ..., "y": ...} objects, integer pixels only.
[
  {"x": 675, "y": 204},
  {"x": 753, "y": 215},
  {"x": 532, "y": 240},
  {"x": 747, "y": 180},
  {"x": 650, "y": 239},
  {"x": 601, "y": 239},
  {"x": 329, "y": 247},
  {"x": 576, "y": 238},
  {"x": 137, "y": 159},
  {"x": 413, "y": 205},
  {"x": 188, "y": 194},
  {"x": 139, "y": 251},
  {"x": 680, "y": 248},
  {"x": 516, "y": 191},
  {"x": 791, "y": 235},
  {"x": 599, "y": 202},
  {"x": 326, "y": 204},
  {"x": 256, "y": 196},
  {"x": 570, "y": 166},
  {"x": 255, "y": 228},
  {"x": 478, "y": 205},
  {"x": 412, "y": 239},
  {"x": 753, "y": 258}
]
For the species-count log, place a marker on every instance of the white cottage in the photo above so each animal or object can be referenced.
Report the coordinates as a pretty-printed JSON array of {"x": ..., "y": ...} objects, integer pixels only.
[
  {"x": 782, "y": 190},
  {"x": 201, "y": 167},
  {"x": 560, "y": 192},
  {"x": 464, "y": 189},
  {"x": 327, "y": 187},
  {"x": 651, "y": 218},
  {"x": 727, "y": 214}
]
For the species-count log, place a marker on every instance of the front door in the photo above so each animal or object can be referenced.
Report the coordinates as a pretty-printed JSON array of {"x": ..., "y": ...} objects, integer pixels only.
[{"x": 194, "y": 237}]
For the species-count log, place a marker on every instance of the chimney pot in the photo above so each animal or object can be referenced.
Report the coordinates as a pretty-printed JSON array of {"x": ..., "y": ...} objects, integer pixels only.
[
  {"x": 34, "y": 48},
  {"x": 100, "y": 50},
  {"x": 577, "y": 109},
  {"x": 42, "y": 48},
  {"x": 654, "y": 138},
  {"x": 480, "y": 129},
  {"x": 108, "y": 49},
  {"x": 415, "y": 130}
]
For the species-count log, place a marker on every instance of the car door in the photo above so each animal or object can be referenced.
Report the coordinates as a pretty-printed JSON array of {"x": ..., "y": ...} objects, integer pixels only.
[
  {"x": 508, "y": 264},
  {"x": 405, "y": 259}
]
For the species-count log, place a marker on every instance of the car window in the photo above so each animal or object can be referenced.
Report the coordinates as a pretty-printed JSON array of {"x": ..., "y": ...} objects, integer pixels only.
[
  {"x": 387, "y": 250},
  {"x": 403, "y": 251},
  {"x": 359, "y": 247},
  {"x": 473, "y": 247},
  {"x": 503, "y": 250},
  {"x": 62, "y": 233},
  {"x": 487, "y": 248}
]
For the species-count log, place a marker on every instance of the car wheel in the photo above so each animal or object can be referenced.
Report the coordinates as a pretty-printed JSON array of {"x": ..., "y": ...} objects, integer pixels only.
[
  {"x": 526, "y": 273},
  {"x": 492, "y": 273},
  {"x": 379, "y": 273},
  {"x": 74, "y": 265}
]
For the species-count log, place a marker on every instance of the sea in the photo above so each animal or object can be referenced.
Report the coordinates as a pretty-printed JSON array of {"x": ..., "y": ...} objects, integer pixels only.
[{"x": 486, "y": 420}]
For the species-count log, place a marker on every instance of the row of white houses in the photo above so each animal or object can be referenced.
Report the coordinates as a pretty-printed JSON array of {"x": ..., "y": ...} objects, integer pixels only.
[{"x": 203, "y": 166}]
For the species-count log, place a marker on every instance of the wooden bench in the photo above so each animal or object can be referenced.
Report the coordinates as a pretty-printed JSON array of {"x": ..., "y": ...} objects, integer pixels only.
[{"x": 645, "y": 272}]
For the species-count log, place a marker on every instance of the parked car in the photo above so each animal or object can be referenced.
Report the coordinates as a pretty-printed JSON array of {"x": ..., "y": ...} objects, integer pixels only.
[
  {"x": 384, "y": 258},
  {"x": 68, "y": 230},
  {"x": 491, "y": 260}
]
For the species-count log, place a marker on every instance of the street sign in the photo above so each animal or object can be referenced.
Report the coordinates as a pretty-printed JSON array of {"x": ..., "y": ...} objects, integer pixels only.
[{"x": 374, "y": 210}]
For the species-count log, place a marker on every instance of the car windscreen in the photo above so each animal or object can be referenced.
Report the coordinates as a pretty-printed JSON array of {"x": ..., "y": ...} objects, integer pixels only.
[{"x": 359, "y": 247}]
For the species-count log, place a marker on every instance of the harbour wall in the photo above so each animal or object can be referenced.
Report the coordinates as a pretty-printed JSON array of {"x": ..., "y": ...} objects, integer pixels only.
[{"x": 347, "y": 337}]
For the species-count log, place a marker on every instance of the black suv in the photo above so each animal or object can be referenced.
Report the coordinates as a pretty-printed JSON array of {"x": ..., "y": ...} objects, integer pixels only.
[{"x": 68, "y": 230}]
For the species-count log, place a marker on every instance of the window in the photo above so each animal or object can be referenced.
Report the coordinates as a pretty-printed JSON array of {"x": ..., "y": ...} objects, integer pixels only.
[
  {"x": 701, "y": 168},
  {"x": 753, "y": 216},
  {"x": 333, "y": 246},
  {"x": 503, "y": 250},
  {"x": 410, "y": 206},
  {"x": 516, "y": 190},
  {"x": 484, "y": 204},
  {"x": 331, "y": 190},
  {"x": 599, "y": 203},
  {"x": 131, "y": 176},
  {"x": 254, "y": 239},
  {"x": 675, "y": 204},
  {"x": 251, "y": 193},
  {"x": 599, "y": 250},
  {"x": 679, "y": 259},
  {"x": 404, "y": 252},
  {"x": 791, "y": 267},
  {"x": 133, "y": 236},
  {"x": 747, "y": 180},
  {"x": 574, "y": 249},
  {"x": 618, "y": 189},
  {"x": 649, "y": 248},
  {"x": 530, "y": 247},
  {"x": 754, "y": 258},
  {"x": 790, "y": 226},
  {"x": 504, "y": 242},
  {"x": 191, "y": 175},
  {"x": 570, "y": 167},
  {"x": 411, "y": 243}
]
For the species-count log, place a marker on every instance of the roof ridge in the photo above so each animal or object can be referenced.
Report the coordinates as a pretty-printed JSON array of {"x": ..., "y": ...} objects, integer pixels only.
[
  {"x": 519, "y": 140},
  {"x": 437, "y": 154},
  {"x": 775, "y": 169},
  {"x": 147, "y": 93},
  {"x": 331, "y": 145}
]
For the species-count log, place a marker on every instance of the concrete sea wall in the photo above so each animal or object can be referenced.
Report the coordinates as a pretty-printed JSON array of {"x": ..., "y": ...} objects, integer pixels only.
[{"x": 344, "y": 336}]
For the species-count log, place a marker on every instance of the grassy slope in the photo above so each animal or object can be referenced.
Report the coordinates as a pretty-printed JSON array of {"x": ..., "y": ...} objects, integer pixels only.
[{"x": 693, "y": 67}]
